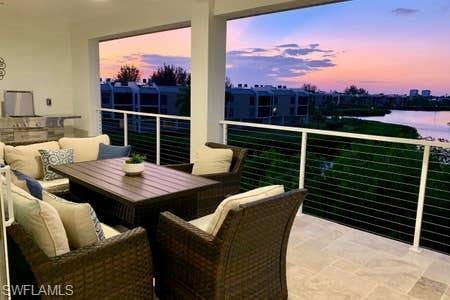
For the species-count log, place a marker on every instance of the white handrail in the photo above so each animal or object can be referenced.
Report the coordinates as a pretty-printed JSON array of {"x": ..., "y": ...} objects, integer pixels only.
[
  {"x": 341, "y": 134},
  {"x": 137, "y": 113}
]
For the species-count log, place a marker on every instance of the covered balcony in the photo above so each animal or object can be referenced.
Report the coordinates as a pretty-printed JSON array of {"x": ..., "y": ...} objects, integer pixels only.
[{"x": 375, "y": 223}]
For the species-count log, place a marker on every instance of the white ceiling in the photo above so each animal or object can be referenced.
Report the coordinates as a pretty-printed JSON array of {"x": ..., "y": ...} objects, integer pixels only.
[{"x": 72, "y": 10}]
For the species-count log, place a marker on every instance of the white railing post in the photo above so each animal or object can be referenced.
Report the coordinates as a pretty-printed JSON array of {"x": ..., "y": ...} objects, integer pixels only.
[
  {"x": 224, "y": 134},
  {"x": 301, "y": 179},
  {"x": 99, "y": 122},
  {"x": 125, "y": 129},
  {"x": 158, "y": 140},
  {"x": 420, "y": 202}
]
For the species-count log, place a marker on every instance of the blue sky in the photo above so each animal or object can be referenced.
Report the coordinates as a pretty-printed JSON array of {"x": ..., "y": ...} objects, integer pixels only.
[{"x": 383, "y": 46}]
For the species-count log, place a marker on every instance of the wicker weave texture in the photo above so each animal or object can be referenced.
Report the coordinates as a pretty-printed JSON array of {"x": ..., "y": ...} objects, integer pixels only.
[
  {"x": 117, "y": 268},
  {"x": 246, "y": 260},
  {"x": 209, "y": 200}
]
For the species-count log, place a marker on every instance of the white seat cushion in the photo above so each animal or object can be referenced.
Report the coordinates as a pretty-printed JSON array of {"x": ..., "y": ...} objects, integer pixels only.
[
  {"x": 42, "y": 221},
  {"x": 109, "y": 231},
  {"x": 211, "y": 223},
  {"x": 202, "y": 222},
  {"x": 84, "y": 149},
  {"x": 56, "y": 185},
  {"x": 27, "y": 159},
  {"x": 80, "y": 221},
  {"x": 212, "y": 160}
]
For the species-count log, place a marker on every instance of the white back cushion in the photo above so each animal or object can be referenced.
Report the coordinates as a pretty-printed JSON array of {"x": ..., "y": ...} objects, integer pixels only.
[
  {"x": 79, "y": 219},
  {"x": 84, "y": 149},
  {"x": 27, "y": 159},
  {"x": 40, "y": 220},
  {"x": 234, "y": 201},
  {"x": 212, "y": 160}
]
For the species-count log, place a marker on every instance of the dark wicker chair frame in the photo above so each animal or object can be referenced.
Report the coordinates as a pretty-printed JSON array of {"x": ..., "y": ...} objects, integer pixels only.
[
  {"x": 117, "y": 268},
  {"x": 209, "y": 200},
  {"x": 245, "y": 260}
]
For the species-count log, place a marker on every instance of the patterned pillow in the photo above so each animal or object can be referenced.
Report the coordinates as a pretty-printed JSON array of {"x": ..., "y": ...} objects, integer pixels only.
[
  {"x": 80, "y": 221},
  {"x": 54, "y": 158}
]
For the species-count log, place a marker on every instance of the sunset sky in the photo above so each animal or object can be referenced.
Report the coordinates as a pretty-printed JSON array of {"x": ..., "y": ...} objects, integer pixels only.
[{"x": 383, "y": 46}]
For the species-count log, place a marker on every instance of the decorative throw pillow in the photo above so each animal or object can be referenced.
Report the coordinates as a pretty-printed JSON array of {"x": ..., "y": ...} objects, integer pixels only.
[
  {"x": 54, "y": 158},
  {"x": 31, "y": 185},
  {"x": 109, "y": 151},
  {"x": 80, "y": 221},
  {"x": 234, "y": 201},
  {"x": 41, "y": 221},
  {"x": 212, "y": 160}
]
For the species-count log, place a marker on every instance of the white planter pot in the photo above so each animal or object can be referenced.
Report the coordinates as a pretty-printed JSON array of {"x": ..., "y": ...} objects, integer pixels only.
[{"x": 133, "y": 169}]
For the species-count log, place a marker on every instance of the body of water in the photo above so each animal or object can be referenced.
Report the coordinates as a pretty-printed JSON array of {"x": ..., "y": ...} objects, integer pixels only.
[{"x": 428, "y": 123}]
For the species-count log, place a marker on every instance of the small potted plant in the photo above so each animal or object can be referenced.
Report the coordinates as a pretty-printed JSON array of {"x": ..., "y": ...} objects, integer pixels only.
[{"x": 134, "y": 166}]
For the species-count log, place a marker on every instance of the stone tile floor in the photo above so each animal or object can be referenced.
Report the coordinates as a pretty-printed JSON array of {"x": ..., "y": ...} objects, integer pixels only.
[{"x": 330, "y": 261}]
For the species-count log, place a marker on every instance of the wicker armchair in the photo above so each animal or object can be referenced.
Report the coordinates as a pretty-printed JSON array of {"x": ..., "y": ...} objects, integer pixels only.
[
  {"x": 245, "y": 260},
  {"x": 117, "y": 268},
  {"x": 209, "y": 200}
]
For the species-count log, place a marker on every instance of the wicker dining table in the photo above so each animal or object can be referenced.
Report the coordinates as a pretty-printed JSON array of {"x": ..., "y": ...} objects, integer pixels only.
[{"x": 137, "y": 200}]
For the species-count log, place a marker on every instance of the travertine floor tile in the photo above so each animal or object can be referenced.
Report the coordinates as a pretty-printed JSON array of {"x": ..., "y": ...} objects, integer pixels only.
[
  {"x": 439, "y": 271},
  {"x": 333, "y": 283},
  {"x": 346, "y": 265},
  {"x": 350, "y": 251},
  {"x": 394, "y": 273},
  {"x": 384, "y": 293},
  {"x": 309, "y": 259},
  {"x": 428, "y": 289},
  {"x": 378, "y": 243},
  {"x": 330, "y": 261}
]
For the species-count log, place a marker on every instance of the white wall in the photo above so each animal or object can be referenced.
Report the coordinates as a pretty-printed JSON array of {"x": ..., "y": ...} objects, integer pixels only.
[
  {"x": 150, "y": 17},
  {"x": 38, "y": 58}
]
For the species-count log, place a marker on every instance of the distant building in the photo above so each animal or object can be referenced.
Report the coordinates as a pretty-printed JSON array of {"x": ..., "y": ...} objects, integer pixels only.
[
  {"x": 240, "y": 104},
  {"x": 261, "y": 104},
  {"x": 413, "y": 93},
  {"x": 267, "y": 104},
  {"x": 426, "y": 93}
]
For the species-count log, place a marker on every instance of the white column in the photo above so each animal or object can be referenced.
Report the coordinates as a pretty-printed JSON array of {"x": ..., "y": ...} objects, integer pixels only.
[
  {"x": 86, "y": 87},
  {"x": 208, "y": 49}
]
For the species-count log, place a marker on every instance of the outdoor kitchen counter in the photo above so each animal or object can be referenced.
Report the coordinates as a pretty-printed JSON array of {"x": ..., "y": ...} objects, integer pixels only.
[{"x": 32, "y": 129}]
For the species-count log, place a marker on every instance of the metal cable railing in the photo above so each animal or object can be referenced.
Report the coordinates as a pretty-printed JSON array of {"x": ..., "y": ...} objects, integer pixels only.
[
  {"x": 393, "y": 187},
  {"x": 164, "y": 139}
]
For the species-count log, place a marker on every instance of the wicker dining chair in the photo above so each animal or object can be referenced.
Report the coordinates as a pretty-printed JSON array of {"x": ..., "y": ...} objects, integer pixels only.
[
  {"x": 210, "y": 199},
  {"x": 117, "y": 268},
  {"x": 245, "y": 260}
]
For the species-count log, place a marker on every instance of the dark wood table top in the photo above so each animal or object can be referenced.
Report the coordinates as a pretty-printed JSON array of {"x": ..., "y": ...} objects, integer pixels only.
[{"x": 156, "y": 183}]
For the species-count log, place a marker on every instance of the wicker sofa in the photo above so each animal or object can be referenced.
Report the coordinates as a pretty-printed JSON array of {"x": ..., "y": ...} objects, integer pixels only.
[
  {"x": 116, "y": 268},
  {"x": 230, "y": 180},
  {"x": 26, "y": 158},
  {"x": 245, "y": 260}
]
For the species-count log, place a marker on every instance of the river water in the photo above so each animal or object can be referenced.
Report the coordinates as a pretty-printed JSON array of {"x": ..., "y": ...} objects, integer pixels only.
[{"x": 428, "y": 123}]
